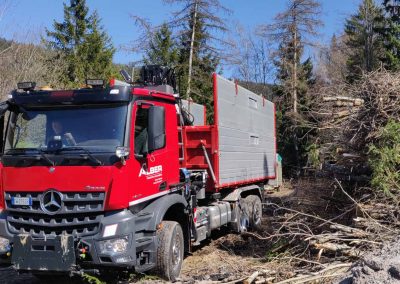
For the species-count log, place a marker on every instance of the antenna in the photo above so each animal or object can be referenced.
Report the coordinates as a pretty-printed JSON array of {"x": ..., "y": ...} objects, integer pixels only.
[{"x": 126, "y": 76}]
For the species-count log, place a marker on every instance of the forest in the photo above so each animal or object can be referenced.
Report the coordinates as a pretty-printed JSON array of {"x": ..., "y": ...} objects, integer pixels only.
[{"x": 338, "y": 125}]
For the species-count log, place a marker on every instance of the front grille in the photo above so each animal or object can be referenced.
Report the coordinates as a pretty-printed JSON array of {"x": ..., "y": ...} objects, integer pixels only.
[{"x": 80, "y": 215}]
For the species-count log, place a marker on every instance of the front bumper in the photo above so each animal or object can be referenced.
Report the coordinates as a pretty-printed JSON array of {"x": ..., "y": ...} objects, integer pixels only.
[{"x": 84, "y": 252}]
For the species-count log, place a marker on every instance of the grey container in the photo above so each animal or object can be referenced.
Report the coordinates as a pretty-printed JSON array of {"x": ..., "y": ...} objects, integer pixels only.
[{"x": 246, "y": 134}]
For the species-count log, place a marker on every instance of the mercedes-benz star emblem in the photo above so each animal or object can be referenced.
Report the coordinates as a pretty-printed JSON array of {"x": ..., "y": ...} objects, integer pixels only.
[{"x": 51, "y": 202}]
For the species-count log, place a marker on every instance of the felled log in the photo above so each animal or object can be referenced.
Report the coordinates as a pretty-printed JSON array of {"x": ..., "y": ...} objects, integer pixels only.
[
  {"x": 342, "y": 101},
  {"x": 251, "y": 278},
  {"x": 349, "y": 230},
  {"x": 342, "y": 113},
  {"x": 337, "y": 248}
]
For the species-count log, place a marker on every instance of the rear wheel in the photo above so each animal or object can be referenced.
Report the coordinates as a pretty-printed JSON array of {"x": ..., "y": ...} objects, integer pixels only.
[
  {"x": 254, "y": 209},
  {"x": 170, "y": 250}
]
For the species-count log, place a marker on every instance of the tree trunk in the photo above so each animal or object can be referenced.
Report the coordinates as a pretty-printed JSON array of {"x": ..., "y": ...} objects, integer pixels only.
[
  {"x": 295, "y": 71},
  {"x": 294, "y": 84},
  {"x": 188, "y": 90}
]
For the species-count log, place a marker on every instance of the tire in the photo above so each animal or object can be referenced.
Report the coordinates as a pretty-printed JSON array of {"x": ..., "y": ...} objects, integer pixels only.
[
  {"x": 170, "y": 250},
  {"x": 254, "y": 209}
]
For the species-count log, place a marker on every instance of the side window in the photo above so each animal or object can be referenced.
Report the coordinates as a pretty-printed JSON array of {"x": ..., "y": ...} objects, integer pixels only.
[
  {"x": 157, "y": 137},
  {"x": 141, "y": 131}
]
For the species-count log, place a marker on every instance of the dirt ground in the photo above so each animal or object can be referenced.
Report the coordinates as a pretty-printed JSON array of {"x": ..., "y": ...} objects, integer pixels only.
[{"x": 225, "y": 258}]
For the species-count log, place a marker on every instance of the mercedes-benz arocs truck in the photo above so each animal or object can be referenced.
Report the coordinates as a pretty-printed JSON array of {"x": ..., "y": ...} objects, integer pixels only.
[{"x": 128, "y": 176}]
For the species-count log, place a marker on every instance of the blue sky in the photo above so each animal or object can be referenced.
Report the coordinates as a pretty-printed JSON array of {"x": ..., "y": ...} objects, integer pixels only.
[{"x": 34, "y": 15}]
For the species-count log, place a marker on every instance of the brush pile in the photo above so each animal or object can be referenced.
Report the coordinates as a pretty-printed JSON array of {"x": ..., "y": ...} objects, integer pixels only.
[
  {"x": 349, "y": 119},
  {"x": 323, "y": 229}
]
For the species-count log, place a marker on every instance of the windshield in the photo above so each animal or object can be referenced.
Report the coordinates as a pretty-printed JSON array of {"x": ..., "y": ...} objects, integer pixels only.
[{"x": 95, "y": 129}]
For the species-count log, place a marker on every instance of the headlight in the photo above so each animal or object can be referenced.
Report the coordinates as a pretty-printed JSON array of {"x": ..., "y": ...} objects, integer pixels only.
[{"x": 119, "y": 245}]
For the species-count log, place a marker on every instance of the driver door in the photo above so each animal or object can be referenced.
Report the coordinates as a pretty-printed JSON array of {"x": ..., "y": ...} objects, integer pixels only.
[{"x": 156, "y": 147}]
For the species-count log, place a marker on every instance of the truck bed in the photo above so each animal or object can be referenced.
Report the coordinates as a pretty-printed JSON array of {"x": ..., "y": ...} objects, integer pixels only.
[{"x": 241, "y": 145}]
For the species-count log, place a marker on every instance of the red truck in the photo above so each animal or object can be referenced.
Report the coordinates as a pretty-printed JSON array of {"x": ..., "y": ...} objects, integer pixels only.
[{"x": 128, "y": 176}]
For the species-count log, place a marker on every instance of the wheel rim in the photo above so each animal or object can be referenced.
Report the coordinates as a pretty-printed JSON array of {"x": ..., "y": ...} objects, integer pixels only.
[
  {"x": 176, "y": 251},
  {"x": 243, "y": 220},
  {"x": 256, "y": 215}
]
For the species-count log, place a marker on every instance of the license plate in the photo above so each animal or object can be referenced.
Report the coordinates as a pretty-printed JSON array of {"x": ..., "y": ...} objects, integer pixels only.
[{"x": 21, "y": 201}]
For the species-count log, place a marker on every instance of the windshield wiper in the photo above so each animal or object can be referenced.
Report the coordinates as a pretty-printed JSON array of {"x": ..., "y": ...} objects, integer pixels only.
[
  {"x": 24, "y": 151},
  {"x": 87, "y": 152}
]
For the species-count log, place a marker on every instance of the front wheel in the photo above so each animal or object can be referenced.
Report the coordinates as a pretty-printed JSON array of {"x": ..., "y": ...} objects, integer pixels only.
[{"x": 170, "y": 249}]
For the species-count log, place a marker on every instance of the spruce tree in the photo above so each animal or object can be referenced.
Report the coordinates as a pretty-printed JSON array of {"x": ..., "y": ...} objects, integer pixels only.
[
  {"x": 200, "y": 29},
  {"x": 162, "y": 49},
  {"x": 196, "y": 30},
  {"x": 82, "y": 43},
  {"x": 390, "y": 33},
  {"x": 363, "y": 39},
  {"x": 95, "y": 52}
]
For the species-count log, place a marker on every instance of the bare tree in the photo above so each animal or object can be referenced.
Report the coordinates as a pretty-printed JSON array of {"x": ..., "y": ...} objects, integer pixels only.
[
  {"x": 147, "y": 31},
  {"x": 292, "y": 30},
  {"x": 27, "y": 62},
  {"x": 331, "y": 66},
  {"x": 4, "y": 7},
  {"x": 251, "y": 58}
]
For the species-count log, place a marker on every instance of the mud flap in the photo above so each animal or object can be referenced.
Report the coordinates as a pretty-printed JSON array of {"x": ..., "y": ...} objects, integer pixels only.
[{"x": 56, "y": 254}]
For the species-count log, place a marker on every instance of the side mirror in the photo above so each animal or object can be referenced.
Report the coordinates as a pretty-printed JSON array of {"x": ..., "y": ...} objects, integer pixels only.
[
  {"x": 156, "y": 128},
  {"x": 2, "y": 133},
  {"x": 4, "y": 107},
  {"x": 122, "y": 153}
]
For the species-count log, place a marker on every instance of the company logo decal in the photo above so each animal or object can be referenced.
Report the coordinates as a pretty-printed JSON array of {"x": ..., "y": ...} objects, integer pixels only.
[{"x": 153, "y": 173}]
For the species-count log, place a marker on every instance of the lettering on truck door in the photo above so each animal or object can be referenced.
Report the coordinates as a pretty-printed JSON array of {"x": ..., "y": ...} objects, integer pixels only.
[{"x": 159, "y": 166}]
